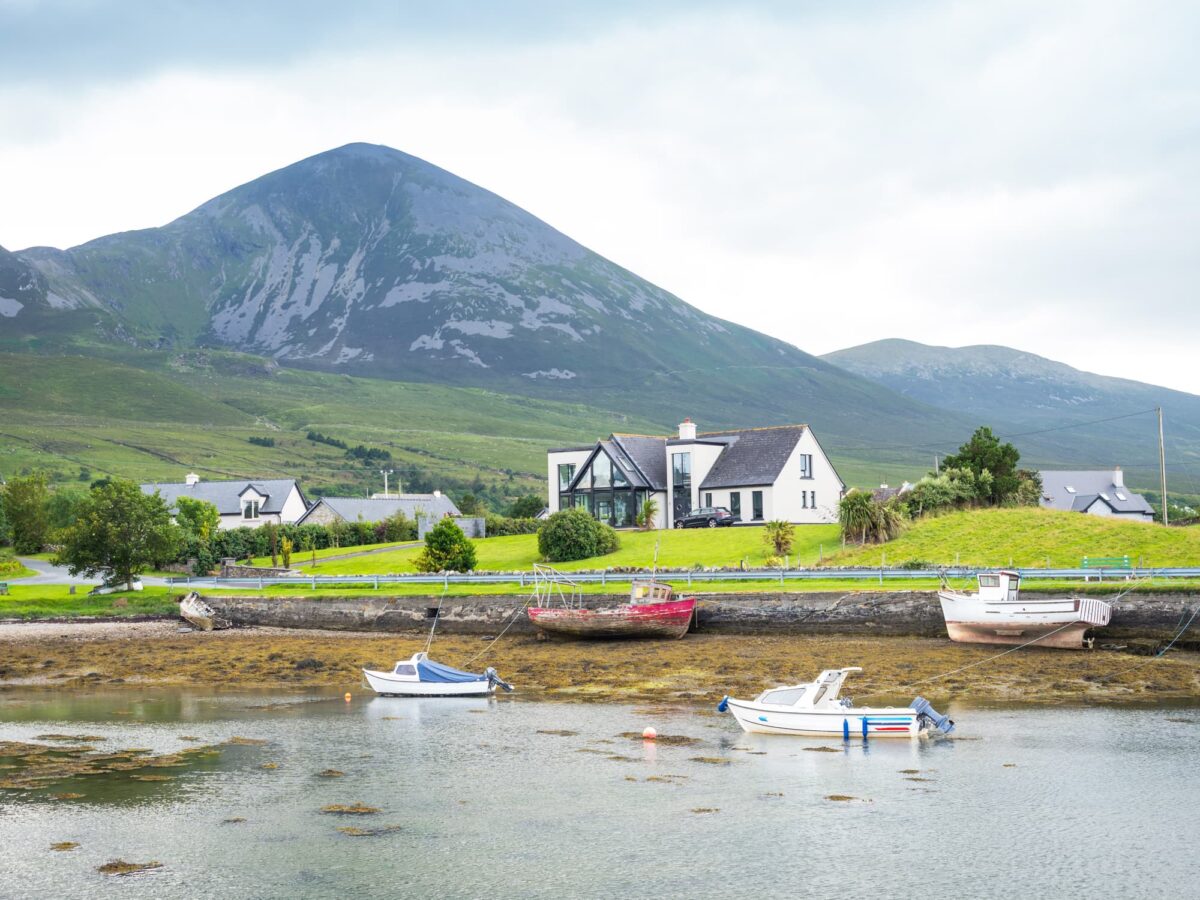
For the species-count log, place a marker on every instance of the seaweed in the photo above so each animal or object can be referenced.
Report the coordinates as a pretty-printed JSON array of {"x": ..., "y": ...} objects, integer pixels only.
[
  {"x": 121, "y": 867},
  {"x": 354, "y": 809}
]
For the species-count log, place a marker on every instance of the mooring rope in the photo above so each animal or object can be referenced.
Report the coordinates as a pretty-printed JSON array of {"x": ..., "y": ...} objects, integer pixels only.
[
  {"x": 1180, "y": 633},
  {"x": 436, "y": 617},
  {"x": 488, "y": 646}
]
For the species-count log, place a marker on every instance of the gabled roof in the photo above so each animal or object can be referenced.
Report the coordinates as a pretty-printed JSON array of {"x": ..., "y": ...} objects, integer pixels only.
[
  {"x": 754, "y": 456},
  {"x": 363, "y": 509},
  {"x": 1089, "y": 485},
  {"x": 226, "y": 496},
  {"x": 647, "y": 455},
  {"x": 619, "y": 459}
]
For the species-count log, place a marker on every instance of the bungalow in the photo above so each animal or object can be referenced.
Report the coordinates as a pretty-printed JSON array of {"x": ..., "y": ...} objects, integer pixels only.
[
  {"x": 779, "y": 472},
  {"x": 1098, "y": 493},
  {"x": 241, "y": 503},
  {"x": 328, "y": 510}
]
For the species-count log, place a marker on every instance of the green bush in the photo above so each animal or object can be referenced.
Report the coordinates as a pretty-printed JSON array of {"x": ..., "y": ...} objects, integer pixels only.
[
  {"x": 574, "y": 534},
  {"x": 447, "y": 549},
  {"x": 500, "y": 526}
]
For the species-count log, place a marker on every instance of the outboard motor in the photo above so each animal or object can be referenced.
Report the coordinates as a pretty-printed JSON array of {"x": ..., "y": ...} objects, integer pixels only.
[
  {"x": 930, "y": 717},
  {"x": 495, "y": 679}
]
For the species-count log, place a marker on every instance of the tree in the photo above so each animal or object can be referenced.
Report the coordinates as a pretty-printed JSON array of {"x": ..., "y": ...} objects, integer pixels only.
[
  {"x": 470, "y": 505},
  {"x": 61, "y": 506},
  {"x": 865, "y": 520},
  {"x": 25, "y": 500},
  {"x": 779, "y": 535},
  {"x": 447, "y": 549},
  {"x": 5, "y": 530},
  {"x": 119, "y": 532},
  {"x": 285, "y": 550},
  {"x": 984, "y": 453},
  {"x": 198, "y": 518},
  {"x": 574, "y": 534},
  {"x": 526, "y": 507},
  {"x": 647, "y": 514}
]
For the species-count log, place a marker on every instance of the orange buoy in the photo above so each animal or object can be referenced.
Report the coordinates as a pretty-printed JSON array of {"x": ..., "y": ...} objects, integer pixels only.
[
  {"x": 649, "y": 733},
  {"x": 347, "y": 696}
]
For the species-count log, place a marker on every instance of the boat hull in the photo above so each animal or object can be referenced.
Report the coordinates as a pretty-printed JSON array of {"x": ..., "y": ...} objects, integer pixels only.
[
  {"x": 387, "y": 684},
  {"x": 763, "y": 718},
  {"x": 652, "y": 620},
  {"x": 1050, "y": 622}
]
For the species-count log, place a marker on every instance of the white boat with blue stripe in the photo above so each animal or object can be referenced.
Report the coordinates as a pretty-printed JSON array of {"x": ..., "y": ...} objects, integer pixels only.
[
  {"x": 815, "y": 710},
  {"x": 422, "y": 677}
]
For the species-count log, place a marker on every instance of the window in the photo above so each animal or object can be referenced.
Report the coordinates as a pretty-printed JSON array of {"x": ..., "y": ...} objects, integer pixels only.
[
  {"x": 812, "y": 499},
  {"x": 1104, "y": 495},
  {"x": 601, "y": 471},
  {"x": 581, "y": 502},
  {"x": 735, "y": 503},
  {"x": 1070, "y": 490},
  {"x": 250, "y": 510},
  {"x": 603, "y": 510},
  {"x": 566, "y": 471},
  {"x": 622, "y": 510},
  {"x": 564, "y": 501},
  {"x": 785, "y": 697},
  {"x": 619, "y": 479},
  {"x": 756, "y": 501},
  {"x": 804, "y": 499},
  {"x": 989, "y": 581},
  {"x": 405, "y": 669},
  {"x": 707, "y": 499},
  {"x": 1121, "y": 496},
  {"x": 806, "y": 465},
  {"x": 681, "y": 469}
]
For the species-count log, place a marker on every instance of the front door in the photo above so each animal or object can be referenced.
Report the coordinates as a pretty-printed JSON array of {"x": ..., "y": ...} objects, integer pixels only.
[{"x": 682, "y": 505}]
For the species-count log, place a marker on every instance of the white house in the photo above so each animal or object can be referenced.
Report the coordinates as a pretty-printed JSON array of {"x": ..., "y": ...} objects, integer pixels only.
[
  {"x": 759, "y": 474},
  {"x": 1098, "y": 493},
  {"x": 244, "y": 503}
]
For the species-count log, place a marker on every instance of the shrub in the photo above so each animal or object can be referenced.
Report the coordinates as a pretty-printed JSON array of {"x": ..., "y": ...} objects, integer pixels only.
[
  {"x": 447, "y": 549},
  {"x": 526, "y": 507},
  {"x": 574, "y": 534},
  {"x": 865, "y": 520},
  {"x": 780, "y": 535},
  {"x": 499, "y": 526},
  {"x": 285, "y": 550},
  {"x": 773, "y": 562},
  {"x": 647, "y": 514}
]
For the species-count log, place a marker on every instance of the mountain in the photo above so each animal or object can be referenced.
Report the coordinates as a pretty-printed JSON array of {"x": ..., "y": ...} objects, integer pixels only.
[
  {"x": 367, "y": 261},
  {"x": 1034, "y": 394}
]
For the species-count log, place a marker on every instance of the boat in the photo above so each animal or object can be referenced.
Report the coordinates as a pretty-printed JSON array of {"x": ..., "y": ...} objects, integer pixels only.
[
  {"x": 420, "y": 676},
  {"x": 652, "y": 611},
  {"x": 997, "y": 614},
  {"x": 815, "y": 710},
  {"x": 199, "y": 614}
]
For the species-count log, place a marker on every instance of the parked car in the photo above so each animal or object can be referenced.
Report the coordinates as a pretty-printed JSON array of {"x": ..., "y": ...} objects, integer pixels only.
[{"x": 707, "y": 517}]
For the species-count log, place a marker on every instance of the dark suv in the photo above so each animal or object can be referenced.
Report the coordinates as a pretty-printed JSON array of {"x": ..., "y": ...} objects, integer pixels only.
[{"x": 707, "y": 517}]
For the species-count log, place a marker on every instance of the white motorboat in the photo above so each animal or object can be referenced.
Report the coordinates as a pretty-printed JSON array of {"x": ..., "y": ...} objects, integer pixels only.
[
  {"x": 422, "y": 677},
  {"x": 815, "y": 710},
  {"x": 199, "y": 614},
  {"x": 997, "y": 614}
]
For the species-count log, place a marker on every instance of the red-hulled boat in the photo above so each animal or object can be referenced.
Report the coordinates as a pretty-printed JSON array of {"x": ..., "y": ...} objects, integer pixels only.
[{"x": 651, "y": 611}]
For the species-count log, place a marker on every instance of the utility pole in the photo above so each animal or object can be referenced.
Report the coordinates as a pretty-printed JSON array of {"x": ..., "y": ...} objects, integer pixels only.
[
  {"x": 385, "y": 473},
  {"x": 1162, "y": 466},
  {"x": 936, "y": 470}
]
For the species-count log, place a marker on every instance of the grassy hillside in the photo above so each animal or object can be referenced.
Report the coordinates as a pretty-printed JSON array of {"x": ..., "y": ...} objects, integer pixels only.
[
  {"x": 676, "y": 550},
  {"x": 1028, "y": 537}
]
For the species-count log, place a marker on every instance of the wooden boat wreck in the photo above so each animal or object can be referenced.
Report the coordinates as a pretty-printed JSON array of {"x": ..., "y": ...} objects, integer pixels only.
[
  {"x": 997, "y": 614},
  {"x": 199, "y": 614},
  {"x": 815, "y": 710},
  {"x": 652, "y": 611},
  {"x": 422, "y": 677}
]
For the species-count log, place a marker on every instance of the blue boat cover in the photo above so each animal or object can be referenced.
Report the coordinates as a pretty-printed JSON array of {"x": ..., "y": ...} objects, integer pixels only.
[{"x": 429, "y": 671}]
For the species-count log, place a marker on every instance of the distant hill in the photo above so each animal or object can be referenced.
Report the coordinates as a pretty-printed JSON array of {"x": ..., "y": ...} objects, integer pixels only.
[
  {"x": 1031, "y": 393},
  {"x": 368, "y": 261}
]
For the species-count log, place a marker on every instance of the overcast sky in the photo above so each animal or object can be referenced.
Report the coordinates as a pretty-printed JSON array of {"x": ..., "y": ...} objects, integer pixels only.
[{"x": 1020, "y": 173}]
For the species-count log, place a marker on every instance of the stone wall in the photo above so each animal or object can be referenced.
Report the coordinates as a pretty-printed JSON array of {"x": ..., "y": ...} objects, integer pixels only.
[
  {"x": 472, "y": 526},
  {"x": 230, "y": 569},
  {"x": 856, "y": 612}
]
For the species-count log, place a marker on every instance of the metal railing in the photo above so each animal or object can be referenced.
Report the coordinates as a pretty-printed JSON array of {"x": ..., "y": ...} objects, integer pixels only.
[{"x": 782, "y": 576}]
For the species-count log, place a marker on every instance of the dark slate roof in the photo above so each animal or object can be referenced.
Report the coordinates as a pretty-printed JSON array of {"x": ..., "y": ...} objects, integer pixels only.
[
  {"x": 618, "y": 455},
  {"x": 648, "y": 455},
  {"x": 1089, "y": 485},
  {"x": 754, "y": 456},
  {"x": 364, "y": 509},
  {"x": 226, "y": 495}
]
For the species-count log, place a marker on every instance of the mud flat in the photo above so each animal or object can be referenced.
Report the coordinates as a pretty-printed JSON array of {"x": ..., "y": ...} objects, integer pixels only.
[{"x": 698, "y": 669}]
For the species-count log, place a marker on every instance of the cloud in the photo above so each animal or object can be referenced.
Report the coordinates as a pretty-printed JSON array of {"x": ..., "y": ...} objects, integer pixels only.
[{"x": 1014, "y": 173}]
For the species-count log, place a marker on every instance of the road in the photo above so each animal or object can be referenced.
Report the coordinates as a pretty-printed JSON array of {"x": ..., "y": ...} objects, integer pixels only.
[{"x": 48, "y": 573}]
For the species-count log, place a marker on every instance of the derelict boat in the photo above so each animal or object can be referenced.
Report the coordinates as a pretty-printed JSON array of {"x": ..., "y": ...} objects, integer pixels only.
[
  {"x": 199, "y": 614},
  {"x": 422, "y": 677},
  {"x": 651, "y": 611},
  {"x": 997, "y": 614},
  {"x": 815, "y": 710}
]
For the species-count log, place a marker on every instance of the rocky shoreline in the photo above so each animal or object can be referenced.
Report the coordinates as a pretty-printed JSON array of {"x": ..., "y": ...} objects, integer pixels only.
[{"x": 698, "y": 669}]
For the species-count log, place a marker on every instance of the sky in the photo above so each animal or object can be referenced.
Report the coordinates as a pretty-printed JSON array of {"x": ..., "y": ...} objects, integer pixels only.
[{"x": 1016, "y": 173}]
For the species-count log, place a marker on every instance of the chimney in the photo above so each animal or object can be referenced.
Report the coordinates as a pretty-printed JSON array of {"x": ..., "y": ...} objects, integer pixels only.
[
  {"x": 1118, "y": 477},
  {"x": 192, "y": 478},
  {"x": 687, "y": 430},
  {"x": 437, "y": 493}
]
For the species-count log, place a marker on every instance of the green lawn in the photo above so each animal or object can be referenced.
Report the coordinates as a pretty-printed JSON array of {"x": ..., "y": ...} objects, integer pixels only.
[
  {"x": 49, "y": 601},
  {"x": 676, "y": 550},
  {"x": 1028, "y": 537},
  {"x": 299, "y": 556}
]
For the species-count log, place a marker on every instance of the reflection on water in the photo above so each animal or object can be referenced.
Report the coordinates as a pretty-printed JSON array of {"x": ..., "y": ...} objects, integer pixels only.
[{"x": 510, "y": 798}]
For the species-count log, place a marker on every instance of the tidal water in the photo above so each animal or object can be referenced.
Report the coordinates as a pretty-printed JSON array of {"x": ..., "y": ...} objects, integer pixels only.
[{"x": 1022, "y": 803}]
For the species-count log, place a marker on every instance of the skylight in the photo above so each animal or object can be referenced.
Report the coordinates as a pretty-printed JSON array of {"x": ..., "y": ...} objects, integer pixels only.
[
  {"x": 1070, "y": 490},
  {"x": 1104, "y": 495},
  {"x": 1121, "y": 496}
]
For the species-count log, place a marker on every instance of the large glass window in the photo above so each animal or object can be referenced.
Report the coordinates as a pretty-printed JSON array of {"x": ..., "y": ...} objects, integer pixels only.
[
  {"x": 681, "y": 469},
  {"x": 601, "y": 472},
  {"x": 566, "y": 471},
  {"x": 564, "y": 501},
  {"x": 603, "y": 510},
  {"x": 756, "y": 500},
  {"x": 618, "y": 477},
  {"x": 622, "y": 510},
  {"x": 735, "y": 503}
]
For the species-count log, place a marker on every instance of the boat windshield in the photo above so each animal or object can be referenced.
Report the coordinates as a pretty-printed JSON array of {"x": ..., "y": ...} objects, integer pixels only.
[
  {"x": 649, "y": 592},
  {"x": 404, "y": 669},
  {"x": 784, "y": 696}
]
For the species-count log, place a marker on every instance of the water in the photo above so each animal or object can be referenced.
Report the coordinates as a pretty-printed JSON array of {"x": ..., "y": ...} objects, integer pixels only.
[{"x": 1029, "y": 803}]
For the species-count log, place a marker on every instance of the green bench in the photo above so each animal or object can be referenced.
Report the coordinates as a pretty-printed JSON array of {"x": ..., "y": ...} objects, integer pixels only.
[{"x": 3, "y": 588}]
